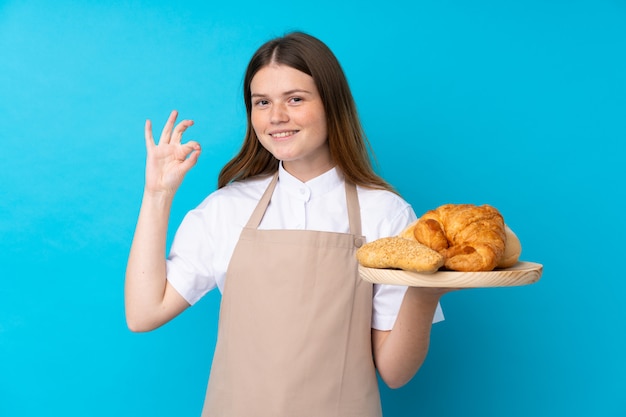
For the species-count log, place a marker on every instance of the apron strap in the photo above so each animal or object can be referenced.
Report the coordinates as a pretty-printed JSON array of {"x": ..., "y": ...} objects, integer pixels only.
[
  {"x": 259, "y": 211},
  {"x": 354, "y": 210}
]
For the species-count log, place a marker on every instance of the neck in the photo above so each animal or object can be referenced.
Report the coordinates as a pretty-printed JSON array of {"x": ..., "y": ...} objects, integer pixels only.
[{"x": 306, "y": 173}]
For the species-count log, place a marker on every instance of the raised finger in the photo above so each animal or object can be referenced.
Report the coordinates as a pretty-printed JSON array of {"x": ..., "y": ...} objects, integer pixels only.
[
  {"x": 177, "y": 134},
  {"x": 166, "y": 134}
]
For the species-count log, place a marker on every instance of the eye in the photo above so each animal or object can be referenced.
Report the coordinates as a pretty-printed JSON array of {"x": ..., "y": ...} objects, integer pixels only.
[
  {"x": 296, "y": 100},
  {"x": 261, "y": 102}
]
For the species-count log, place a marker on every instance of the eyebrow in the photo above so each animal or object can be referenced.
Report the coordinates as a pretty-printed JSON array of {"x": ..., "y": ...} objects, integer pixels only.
[{"x": 286, "y": 93}]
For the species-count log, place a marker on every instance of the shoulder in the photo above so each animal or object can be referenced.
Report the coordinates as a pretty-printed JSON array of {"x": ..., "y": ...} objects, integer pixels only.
[
  {"x": 373, "y": 198},
  {"x": 383, "y": 213}
]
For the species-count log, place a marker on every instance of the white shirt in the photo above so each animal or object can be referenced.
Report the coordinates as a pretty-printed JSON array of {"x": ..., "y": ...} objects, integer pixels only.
[{"x": 205, "y": 241}]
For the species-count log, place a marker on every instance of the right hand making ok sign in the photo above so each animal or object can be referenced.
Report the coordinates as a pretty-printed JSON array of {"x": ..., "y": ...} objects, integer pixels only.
[{"x": 168, "y": 162}]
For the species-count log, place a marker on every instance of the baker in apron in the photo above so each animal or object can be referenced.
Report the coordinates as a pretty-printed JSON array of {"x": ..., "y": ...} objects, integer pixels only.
[{"x": 294, "y": 335}]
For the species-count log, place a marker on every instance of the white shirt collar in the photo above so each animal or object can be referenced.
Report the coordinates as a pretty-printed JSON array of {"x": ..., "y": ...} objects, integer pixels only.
[{"x": 313, "y": 188}]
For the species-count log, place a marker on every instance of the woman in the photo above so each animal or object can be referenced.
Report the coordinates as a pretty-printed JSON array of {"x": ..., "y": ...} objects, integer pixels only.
[{"x": 299, "y": 332}]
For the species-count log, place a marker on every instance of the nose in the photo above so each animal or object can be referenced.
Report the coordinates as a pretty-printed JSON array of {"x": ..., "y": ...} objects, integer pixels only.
[{"x": 279, "y": 114}]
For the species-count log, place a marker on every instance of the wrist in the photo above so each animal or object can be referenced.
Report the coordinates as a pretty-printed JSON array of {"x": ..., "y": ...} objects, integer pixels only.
[{"x": 158, "y": 199}]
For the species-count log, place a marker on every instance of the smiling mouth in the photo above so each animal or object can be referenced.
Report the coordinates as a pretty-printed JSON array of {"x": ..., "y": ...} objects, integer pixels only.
[{"x": 280, "y": 135}]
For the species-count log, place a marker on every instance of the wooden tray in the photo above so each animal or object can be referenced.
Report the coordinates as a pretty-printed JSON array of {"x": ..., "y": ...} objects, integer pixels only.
[{"x": 522, "y": 273}]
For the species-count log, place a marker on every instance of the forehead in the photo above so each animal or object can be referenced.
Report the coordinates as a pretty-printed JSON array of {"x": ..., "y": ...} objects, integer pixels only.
[{"x": 276, "y": 78}]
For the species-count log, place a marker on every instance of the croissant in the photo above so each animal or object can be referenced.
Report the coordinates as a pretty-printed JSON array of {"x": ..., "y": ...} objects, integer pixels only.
[{"x": 469, "y": 237}]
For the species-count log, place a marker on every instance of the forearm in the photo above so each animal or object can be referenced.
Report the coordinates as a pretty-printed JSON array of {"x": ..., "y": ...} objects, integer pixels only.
[
  {"x": 146, "y": 272},
  {"x": 400, "y": 352}
]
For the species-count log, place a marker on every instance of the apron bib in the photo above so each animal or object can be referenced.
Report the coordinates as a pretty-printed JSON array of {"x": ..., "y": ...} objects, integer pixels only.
[{"x": 294, "y": 336}]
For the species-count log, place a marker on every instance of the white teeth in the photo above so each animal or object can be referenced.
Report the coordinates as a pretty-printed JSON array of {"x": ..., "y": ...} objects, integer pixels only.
[{"x": 282, "y": 134}]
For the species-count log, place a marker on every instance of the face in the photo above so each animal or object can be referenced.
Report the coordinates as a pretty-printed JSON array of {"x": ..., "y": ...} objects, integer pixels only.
[{"x": 289, "y": 119}]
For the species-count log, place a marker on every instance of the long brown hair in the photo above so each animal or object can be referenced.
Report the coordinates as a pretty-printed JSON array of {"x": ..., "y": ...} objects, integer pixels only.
[{"x": 347, "y": 142}]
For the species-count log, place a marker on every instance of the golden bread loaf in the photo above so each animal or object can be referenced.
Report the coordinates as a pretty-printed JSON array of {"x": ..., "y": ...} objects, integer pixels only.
[
  {"x": 407, "y": 233},
  {"x": 399, "y": 253},
  {"x": 512, "y": 249},
  {"x": 469, "y": 237}
]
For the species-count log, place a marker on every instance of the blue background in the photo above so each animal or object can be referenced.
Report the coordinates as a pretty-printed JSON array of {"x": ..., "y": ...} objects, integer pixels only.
[{"x": 518, "y": 104}]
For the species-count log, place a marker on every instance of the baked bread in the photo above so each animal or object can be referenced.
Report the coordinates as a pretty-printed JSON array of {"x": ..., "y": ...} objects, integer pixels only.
[
  {"x": 399, "y": 253},
  {"x": 512, "y": 249},
  {"x": 407, "y": 233},
  {"x": 469, "y": 237}
]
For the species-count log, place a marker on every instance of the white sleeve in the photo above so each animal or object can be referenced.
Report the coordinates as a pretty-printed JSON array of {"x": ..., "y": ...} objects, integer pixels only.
[
  {"x": 387, "y": 299},
  {"x": 188, "y": 270},
  {"x": 386, "y": 304}
]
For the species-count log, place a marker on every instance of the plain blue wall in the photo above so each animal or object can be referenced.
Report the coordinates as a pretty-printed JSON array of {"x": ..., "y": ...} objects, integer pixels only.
[{"x": 518, "y": 104}]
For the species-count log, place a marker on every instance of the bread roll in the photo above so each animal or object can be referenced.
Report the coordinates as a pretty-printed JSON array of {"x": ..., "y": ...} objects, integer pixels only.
[
  {"x": 399, "y": 253},
  {"x": 512, "y": 249},
  {"x": 408, "y": 232}
]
